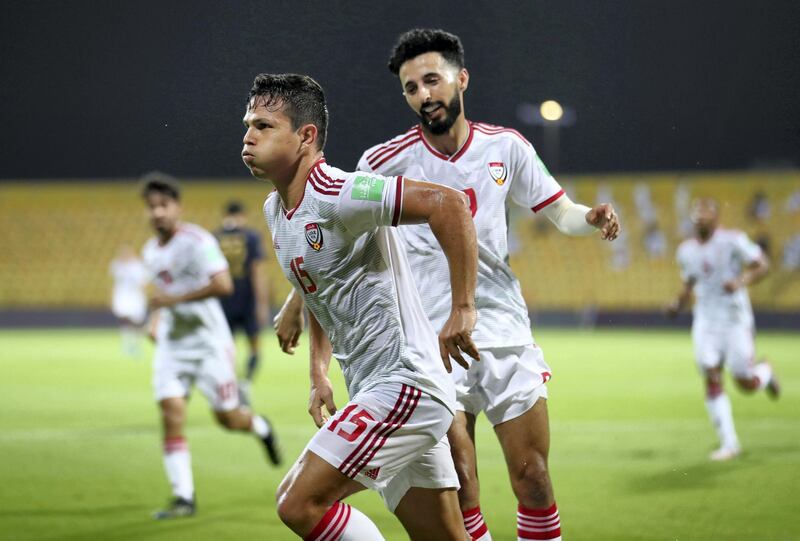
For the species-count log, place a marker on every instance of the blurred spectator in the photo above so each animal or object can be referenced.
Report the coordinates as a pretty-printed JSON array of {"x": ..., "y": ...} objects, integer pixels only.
[
  {"x": 792, "y": 205},
  {"x": 759, "y": 212},
  {"x": 654, "y": 240},
  {"x": 620, "y": 251},
  {"x": 759, "y": 208},
  {"x": 682, "y": 201},
  {"x": 791, "y": 253},
  {"x": 128, "y": 300}
]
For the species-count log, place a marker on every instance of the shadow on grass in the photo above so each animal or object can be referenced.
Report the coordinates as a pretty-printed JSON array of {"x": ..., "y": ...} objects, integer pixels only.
[{"x": 704, "y": 474}]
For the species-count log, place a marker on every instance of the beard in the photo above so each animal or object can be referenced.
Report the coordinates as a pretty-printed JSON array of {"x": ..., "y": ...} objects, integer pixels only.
[{"x": 451, "y": 112}]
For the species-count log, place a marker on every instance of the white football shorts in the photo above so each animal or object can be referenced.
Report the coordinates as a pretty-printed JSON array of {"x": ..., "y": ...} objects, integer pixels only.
[
  {"x": 390, "y": 438},
  {"x": 211, "y": 369},
  {"x": 730, "y": 344},
  {"x": 504, "y": 384}
]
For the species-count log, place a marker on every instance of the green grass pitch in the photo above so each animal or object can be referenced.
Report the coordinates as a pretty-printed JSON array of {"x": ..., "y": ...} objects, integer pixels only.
[{"x": 80, "y": 448}]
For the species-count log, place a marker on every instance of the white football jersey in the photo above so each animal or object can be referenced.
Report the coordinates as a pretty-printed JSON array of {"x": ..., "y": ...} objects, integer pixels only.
[
  {"x": 187, "y": 262},
  {"x": 712, "y": 263},
  {"x": 354, "y": 277},
  {"x": 494, "y": 166}
]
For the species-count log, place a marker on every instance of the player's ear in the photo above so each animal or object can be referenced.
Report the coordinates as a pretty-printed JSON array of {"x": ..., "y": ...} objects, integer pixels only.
[
  {"x": 308, "y": 135},
  {"x": 463, "y": 79}
]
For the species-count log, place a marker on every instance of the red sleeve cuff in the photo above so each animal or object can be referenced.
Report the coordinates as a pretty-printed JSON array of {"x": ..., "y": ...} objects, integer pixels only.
[{"x": 547, "y": 201}]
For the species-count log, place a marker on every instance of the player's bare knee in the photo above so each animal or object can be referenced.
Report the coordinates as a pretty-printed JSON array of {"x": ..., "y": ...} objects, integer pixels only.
[
  {"x": 295, "y": 510},
  {"x": 531, "y": 483},
  {"x": 226, "y": 419},
  {"x": 290, "y": 511},
  {"x": 746, "y": 384},
  {"x": 713, "y": 383}
]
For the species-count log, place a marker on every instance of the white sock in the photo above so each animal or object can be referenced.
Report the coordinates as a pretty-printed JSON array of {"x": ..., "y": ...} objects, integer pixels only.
[
  {"x": 131, "y": 338},
  {"x": 344, "y": 523},
  {"x": 763, "y": 372},
  {"x": 721, "y": 414},
  {"x": 259, "y": 426},
  {"x": 475, "y": 525},
  {"x": 178, "y": 465}
]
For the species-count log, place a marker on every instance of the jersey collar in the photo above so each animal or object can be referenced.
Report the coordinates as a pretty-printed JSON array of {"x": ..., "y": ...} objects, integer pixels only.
[
  {"x": 289, "y": 213},
  {"x": 460, "y": 152}
]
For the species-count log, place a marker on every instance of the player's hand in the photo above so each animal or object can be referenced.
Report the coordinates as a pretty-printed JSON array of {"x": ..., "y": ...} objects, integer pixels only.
[
  {"x": 456, "y": 337},
  {"x": 159, "y": 300},
  {"x": 289, "y": 326},
  {"x": 672, "y": 310},
  {"x": 732, "y": 285},
  {"x": 320, "y": 400},
  {"x": 605, "y": 219}
]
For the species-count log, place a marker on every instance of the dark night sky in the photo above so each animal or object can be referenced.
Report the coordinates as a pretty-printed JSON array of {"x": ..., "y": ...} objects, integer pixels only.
[{"x": 113, "y": 89}]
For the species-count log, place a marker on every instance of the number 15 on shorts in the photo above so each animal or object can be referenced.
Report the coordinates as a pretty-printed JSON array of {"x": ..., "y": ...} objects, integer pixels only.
[{"x": 353, "y": 415}]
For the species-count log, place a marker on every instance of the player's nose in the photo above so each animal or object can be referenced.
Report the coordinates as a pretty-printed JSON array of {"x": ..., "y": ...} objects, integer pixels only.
[{"x": 248, "y": 137}]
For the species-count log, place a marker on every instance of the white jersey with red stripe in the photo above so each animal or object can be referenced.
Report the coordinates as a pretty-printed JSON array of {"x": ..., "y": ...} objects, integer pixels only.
[
  {"x": 335, "y": 249},
  {"x": 712, "y": 263},
  {"x": 186, "y": 263},
  {"x": 494, "y": 166}
]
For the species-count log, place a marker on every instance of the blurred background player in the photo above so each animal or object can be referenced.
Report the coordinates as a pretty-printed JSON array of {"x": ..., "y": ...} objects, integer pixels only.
[
  {"x": 128, "y": 299},
  {"x": 718, "y": 265},
  {"x": 246, "y": 308},
  {"x": 495, "y": 167},
  {"x": 193, "y": 342}
]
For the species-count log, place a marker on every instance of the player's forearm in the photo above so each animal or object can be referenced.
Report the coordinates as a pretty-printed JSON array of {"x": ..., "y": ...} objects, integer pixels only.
[
  {"x": 453, "y": 227},
  {"x": 683, "y": 299},
  {"x": 321, "y": 349},
  {"x": 293, "y": 305},
  {"x": 218, "y": 287},
  {"x": 569, "y": 217},
  {"x": 755, "y": 273}
]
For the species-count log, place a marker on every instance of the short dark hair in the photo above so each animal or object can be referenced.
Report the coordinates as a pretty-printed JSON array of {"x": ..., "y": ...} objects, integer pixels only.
[
  {"x": 302, "y": 98},
  {"x": 158, "y": 182},
  {"x": 424, "y": 40},
  {"x": 234, "y": 207}
]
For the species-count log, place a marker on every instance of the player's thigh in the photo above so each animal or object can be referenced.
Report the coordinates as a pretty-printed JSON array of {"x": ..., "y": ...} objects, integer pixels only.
[
  {"x": 173, "y": 373},
  {"x": 380, "y": 432},
  {"x": 217, "y": 377},
  {"x": 462, "y": 439},
  {"x": 740, "y": 350},
  {"x": 708, "y": 344},
  {"x": 512, "y": 380},
  {"x": 312, "y": 479},
  {"x": 431, "y": 515},
  {"x": 525, "y": 440},
  {"x": 432, "y": 470}
]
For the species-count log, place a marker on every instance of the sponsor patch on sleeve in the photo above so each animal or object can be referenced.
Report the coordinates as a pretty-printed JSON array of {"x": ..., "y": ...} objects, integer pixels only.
[{"x": 368, "y": 188}]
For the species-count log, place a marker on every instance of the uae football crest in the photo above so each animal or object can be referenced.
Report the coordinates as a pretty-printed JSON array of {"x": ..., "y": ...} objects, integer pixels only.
[
  {"x": 498, "y": 172},
  {"x": 314, "y": 236}
]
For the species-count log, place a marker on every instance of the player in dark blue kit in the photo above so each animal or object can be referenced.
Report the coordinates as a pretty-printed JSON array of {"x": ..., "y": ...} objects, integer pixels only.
[{"x": 247, "y": 307}]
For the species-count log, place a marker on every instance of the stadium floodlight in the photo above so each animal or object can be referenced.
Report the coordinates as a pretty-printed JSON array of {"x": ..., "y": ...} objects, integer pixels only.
[
  {"x": 551, "y": 110},
  {"x": 548, "y": 113}
]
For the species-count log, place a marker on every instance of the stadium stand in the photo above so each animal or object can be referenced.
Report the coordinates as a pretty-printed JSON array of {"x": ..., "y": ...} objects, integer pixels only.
[{"x": 60, "y": 237}]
